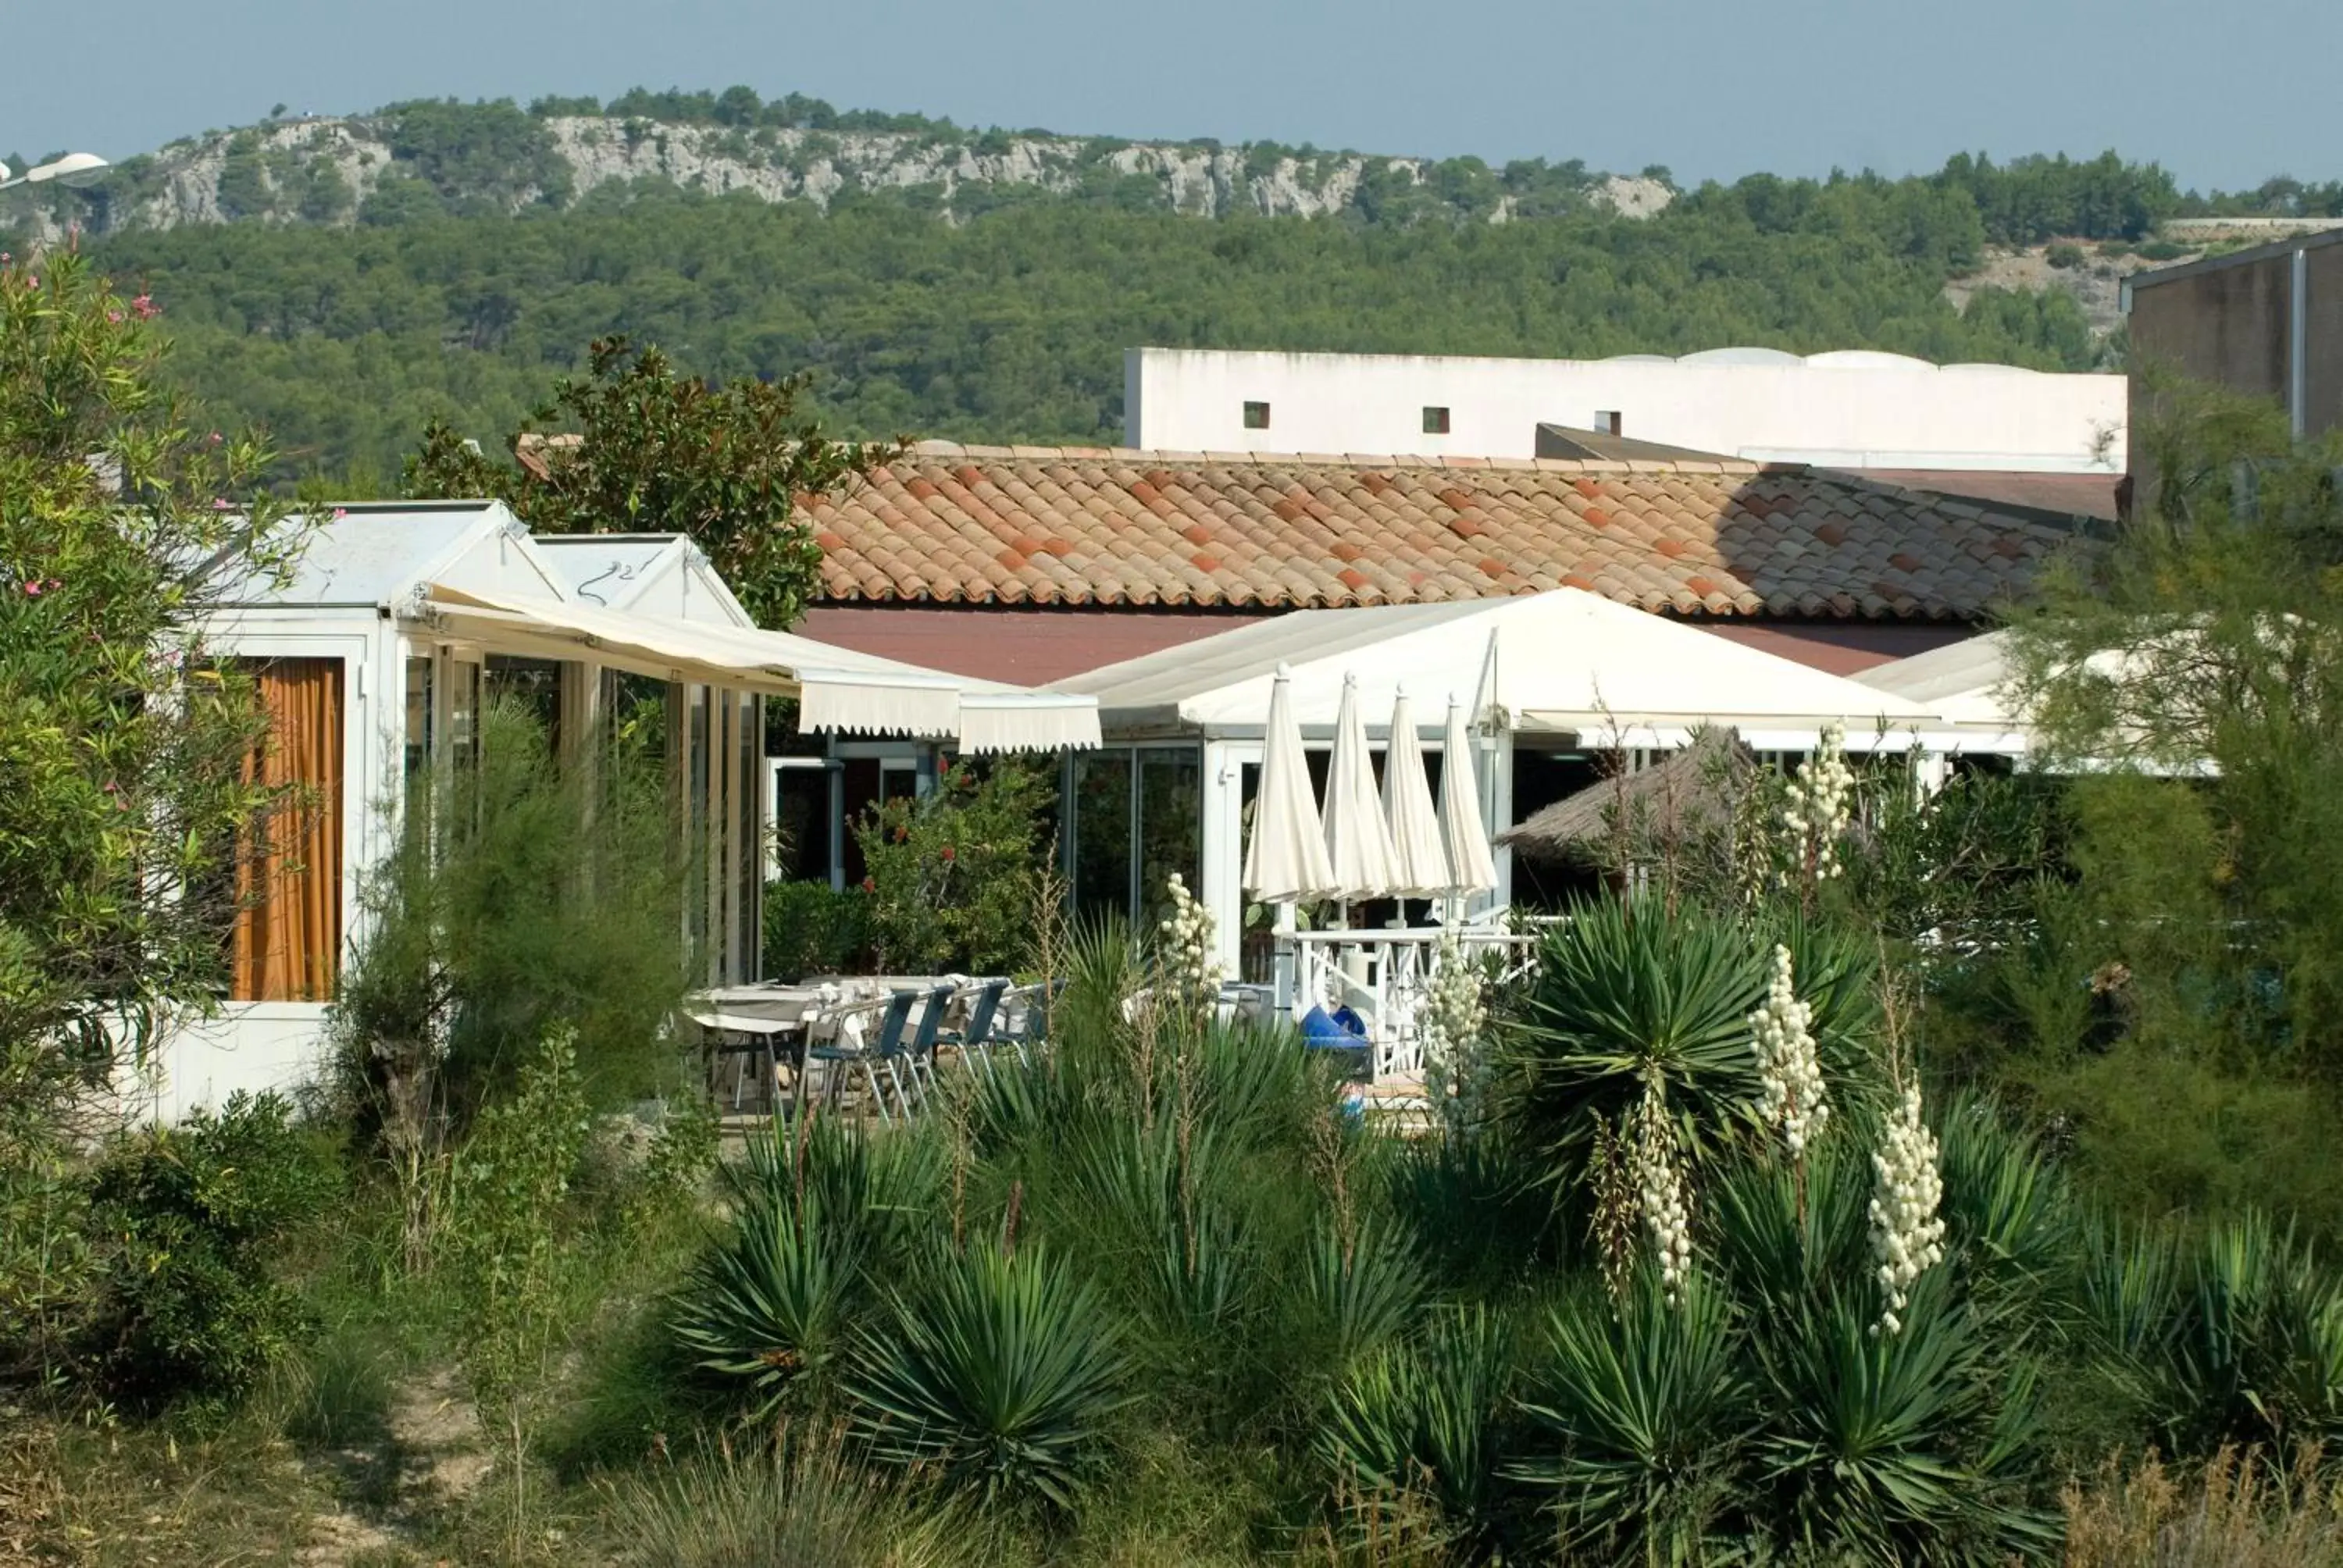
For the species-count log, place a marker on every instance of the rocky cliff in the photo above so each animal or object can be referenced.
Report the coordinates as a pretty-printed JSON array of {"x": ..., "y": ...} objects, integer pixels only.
[{"x": 416, "y": 160}]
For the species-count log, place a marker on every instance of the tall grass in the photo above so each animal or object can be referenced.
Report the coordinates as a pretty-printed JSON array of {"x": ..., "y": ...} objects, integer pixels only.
[{"x": 2235, "y": 1511}]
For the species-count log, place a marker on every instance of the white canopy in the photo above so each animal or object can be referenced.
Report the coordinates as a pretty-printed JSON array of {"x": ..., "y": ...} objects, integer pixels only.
[
  {"x": 1571, "y": 661},
  {"x": 1419, "y": 857},
  {"x": 1358, "y": 840},
  {"x": 1471, "y": 867},
  {"x": 1961, "y": 682},
  {"x": 1286, "y": 860},
  {"x": 836, "y": 688}
]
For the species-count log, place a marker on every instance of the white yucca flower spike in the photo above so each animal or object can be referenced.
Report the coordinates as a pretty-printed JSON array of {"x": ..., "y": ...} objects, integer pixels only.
[
  {"x": 1660, "y": 1190},
  {"x": 1791, "y": 1095},
  {"x": 1190, "y": 964},
  {"x": 1452, "y": 1023},
  {"x": 1818, "y": 798},
  {"x": 1908, "y": 1234}
]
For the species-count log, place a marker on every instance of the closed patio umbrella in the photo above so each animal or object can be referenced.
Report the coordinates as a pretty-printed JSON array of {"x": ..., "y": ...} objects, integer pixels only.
[
  {"x": 1419, "y": 857},
  {"x": 1286, "y": 860},
  {"x": 1471, "y": 867},
  {"x": 1358, "y": 840}
]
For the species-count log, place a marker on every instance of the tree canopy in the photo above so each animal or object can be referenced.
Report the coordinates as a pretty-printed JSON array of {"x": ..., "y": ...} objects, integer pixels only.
[{"x": 1010, "y": 326}]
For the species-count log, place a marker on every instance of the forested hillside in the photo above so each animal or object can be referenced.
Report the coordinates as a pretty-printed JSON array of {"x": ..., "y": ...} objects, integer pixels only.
[{"x": 344, "y": 281}]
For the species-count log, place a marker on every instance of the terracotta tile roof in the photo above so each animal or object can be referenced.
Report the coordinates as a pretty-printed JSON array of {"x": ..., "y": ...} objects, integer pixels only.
[{"x": 1076, "y": 525}]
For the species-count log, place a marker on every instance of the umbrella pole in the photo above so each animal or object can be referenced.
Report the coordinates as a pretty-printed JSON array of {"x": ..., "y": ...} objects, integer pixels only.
[{"x": 1281, "y": 929}]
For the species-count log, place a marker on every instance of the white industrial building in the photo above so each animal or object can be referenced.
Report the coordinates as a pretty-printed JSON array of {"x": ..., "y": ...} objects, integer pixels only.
[{"x": 1845, "y": 411}]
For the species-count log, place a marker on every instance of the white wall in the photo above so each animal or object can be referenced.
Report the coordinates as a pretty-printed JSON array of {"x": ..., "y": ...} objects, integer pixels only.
[{"x": 1841, "y": 410}]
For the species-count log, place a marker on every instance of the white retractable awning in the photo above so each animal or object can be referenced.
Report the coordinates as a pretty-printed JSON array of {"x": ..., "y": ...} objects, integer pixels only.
[{"x": 836, "y": 688}]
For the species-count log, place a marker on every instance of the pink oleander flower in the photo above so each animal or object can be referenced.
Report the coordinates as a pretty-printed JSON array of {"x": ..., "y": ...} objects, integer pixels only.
[
  {"x": 145, "y": 308},
  {"x": 114, "y": 318},
  {"x": 340, "y": 512},
  {"x": 33, "y": 589},
  {"x": 220, "y": 506},
  {"x": 215, "y": 438}
]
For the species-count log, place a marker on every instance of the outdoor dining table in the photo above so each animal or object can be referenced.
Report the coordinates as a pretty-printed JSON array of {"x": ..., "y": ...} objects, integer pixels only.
[{"x": 775, "y": 1017}]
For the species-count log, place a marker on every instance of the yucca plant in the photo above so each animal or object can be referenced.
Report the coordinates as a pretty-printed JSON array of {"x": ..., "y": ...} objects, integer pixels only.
[
  {"x": 1429, "y": 1419},
  {"x": 803, "y": 1505},
  {"x": 768, "y": 1305},
  {"x": 887, "y": 1186},
  {"x": 1780, "y": 1240},
  {"x": 1643, "y": 1417},
  {"x": 1482, "y": 1220},
  {"x": 818, "y": 1213},
  {"x": 997, "y": 1370},
  {"x": 1625, "y": 990},
  {"x": 1259, "y": 1088},
  {"x": 1156, "y": 1203},
  {"x": 1913, "y": 1446},
  {"x": 2238, "y": 1341},
  {"x": 1359, "y": 1287},
  {"x": 2012, "y": 1221}
]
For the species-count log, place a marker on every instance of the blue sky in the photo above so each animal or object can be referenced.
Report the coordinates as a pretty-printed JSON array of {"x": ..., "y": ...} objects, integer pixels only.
[{"x": 2221, "y": 94}]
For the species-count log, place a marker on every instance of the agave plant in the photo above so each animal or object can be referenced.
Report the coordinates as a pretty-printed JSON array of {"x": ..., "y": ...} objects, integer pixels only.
[
  {"x": 1428, "y": 1419},
  {"x": 1643, "y": 1417},
  {"x": 997, "y": 1370}
]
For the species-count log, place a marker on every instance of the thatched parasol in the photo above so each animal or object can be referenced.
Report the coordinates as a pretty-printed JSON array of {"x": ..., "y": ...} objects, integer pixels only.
[{"x": 1698, "y": 786}]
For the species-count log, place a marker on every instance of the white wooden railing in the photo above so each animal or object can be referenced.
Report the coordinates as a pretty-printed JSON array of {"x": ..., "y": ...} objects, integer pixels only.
[{"x": 1383, "y": 976}]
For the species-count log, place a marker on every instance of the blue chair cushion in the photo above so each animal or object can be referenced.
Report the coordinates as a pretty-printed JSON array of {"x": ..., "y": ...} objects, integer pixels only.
[{"x": 1342, "y": 1028}]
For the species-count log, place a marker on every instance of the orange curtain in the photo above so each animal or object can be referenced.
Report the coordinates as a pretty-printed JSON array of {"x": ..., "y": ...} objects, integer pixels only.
[{"x": 288, "y": 925}]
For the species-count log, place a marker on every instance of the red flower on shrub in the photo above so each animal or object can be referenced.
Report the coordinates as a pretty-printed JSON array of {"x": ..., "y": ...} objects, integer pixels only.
[
  {"x": 949, "y": 853},
  {"x": 870, "y": 885}
]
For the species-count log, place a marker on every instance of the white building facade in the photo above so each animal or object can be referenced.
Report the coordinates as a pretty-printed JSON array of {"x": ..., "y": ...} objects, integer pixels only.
[{"x": 1848, "y": 410}]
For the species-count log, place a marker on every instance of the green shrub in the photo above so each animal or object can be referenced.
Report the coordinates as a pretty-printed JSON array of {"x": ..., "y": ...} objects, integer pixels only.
[
  {"x": 1430, "y": 1419},
  {"x": 811, "y": 928},
  {"x": 196, "y": 1222},
  {"x": 952, "y": 874},
  {"x": 997, "y": 1369},
  {"x": 2162, "y": 250},
  {"x": 495, "y": 922},
  {"x": 2065, "y": 256}
]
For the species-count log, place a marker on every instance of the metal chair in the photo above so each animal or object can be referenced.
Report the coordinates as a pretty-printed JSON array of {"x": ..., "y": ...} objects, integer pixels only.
[
  {"x": 920, "y": 1055},
  {"x": 976, "y": 1040},
  {"x": 1033, "y": 1036},
  {"x": 840, "y": 1053}
]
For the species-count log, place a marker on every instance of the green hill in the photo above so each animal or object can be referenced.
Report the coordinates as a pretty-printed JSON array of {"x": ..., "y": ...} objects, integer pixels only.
[{"x": 344, "y": 280}]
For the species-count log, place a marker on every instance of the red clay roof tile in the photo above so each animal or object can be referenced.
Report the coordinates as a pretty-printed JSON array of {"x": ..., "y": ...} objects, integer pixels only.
[{"x": 1045, "y": 525}]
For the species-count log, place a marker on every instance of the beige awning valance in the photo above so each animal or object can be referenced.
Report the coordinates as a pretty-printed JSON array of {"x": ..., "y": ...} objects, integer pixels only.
[{"x": 836, "y": 688}]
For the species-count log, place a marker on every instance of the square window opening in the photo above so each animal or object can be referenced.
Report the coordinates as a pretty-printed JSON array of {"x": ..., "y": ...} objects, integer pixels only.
[
  {"x": 1435, "y": 421},
  {"x": 1256, "y": 416}
]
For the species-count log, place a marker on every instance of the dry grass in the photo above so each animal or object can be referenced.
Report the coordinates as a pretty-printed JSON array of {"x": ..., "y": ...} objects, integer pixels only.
[
  {"x": 79, "y": 1494},
  {"x": 2238, "y": 1512}
]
